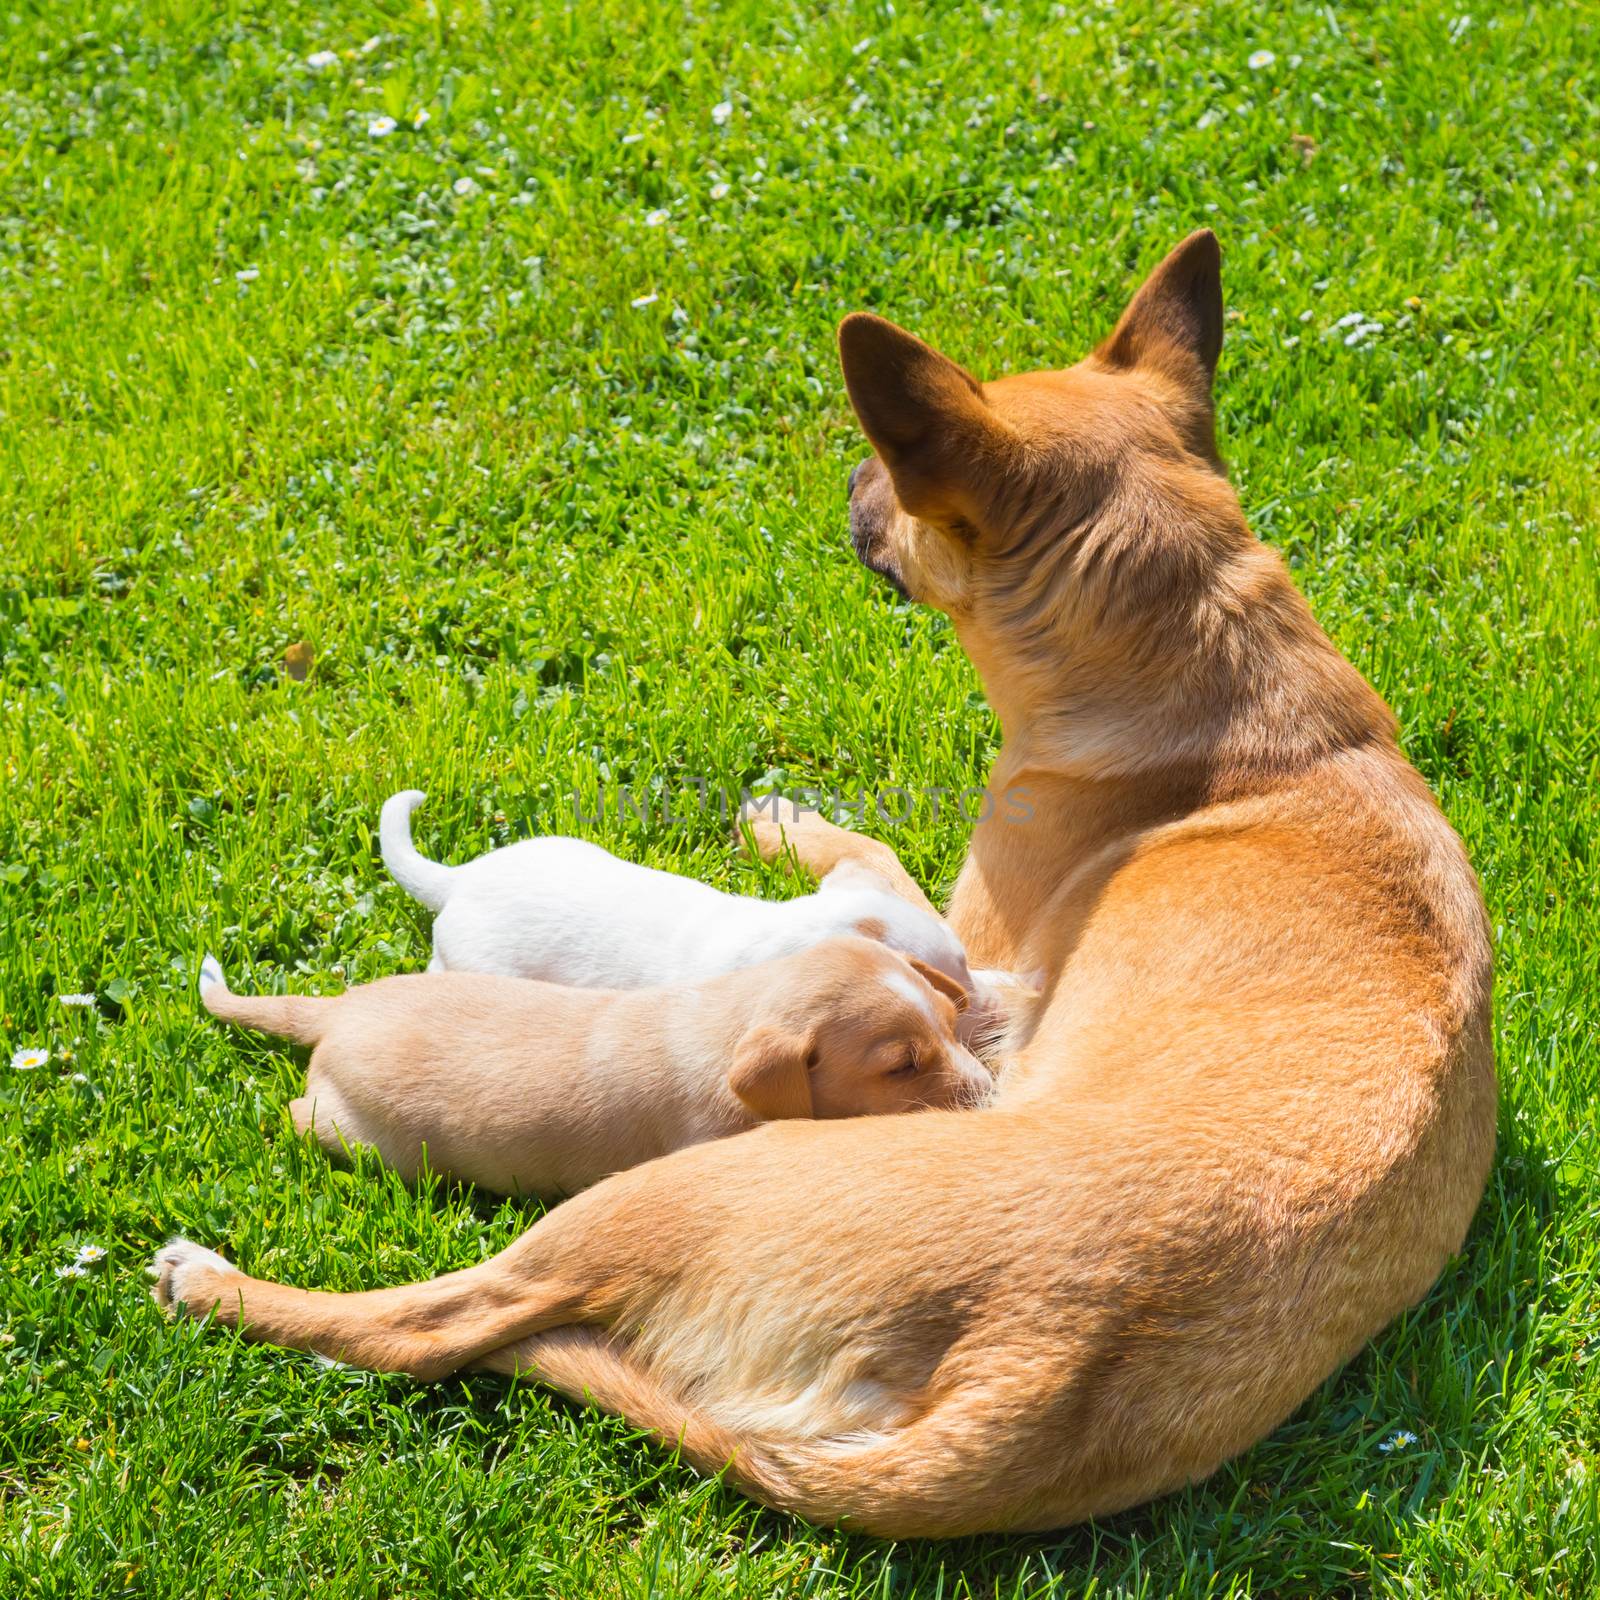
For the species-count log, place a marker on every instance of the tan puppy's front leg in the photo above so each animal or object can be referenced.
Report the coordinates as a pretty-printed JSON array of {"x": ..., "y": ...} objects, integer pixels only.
[
  {"x": 423, "y": 1329},
  {"x": 775, "y": 825}
]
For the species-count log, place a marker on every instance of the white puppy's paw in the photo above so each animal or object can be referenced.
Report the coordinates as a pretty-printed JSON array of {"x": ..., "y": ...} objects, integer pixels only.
[
  {"x": 211, "y": 974},
  {"x": 188, "y": 1277},
  {"x": 774, "y": 807},
  {"x": 768, "y": 821}
]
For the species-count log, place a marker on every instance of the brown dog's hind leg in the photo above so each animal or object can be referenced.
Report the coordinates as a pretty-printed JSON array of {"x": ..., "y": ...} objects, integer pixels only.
[
  {"x": 775, "y": 825},
  {"x": 424, "y": 1329}
]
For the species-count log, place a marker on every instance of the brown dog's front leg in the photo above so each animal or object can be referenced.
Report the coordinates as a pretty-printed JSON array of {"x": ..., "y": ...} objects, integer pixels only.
[
  {"x": 424, "y": 1329},
  {"x": 774, "y": 826}
]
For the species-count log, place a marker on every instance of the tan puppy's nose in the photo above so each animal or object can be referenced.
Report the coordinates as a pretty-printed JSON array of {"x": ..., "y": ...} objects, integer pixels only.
[{"x": 855, "y": 472}]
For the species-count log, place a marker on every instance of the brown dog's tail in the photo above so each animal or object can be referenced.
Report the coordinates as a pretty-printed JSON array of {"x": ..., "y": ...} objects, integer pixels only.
[
  {"x": 924, "y": 1479},
  {"x": 585, "y": 1364},
  {"x": 303, "y": 1018}
]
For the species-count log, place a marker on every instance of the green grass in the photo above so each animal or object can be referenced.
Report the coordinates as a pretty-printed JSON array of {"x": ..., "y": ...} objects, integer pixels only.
[{"x": 266, "y": 378}]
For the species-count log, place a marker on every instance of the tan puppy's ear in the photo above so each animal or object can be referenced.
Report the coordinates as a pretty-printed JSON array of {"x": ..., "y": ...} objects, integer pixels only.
[
  {"x": 1174, "y": 324},
  {"x": 942, "y": 983},
  {"x": 771, "y": 1073},
  {"x": 925, "y": 416}
]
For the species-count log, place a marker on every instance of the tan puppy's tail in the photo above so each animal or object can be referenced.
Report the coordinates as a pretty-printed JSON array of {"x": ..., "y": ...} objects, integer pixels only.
[
  {"x": 422, "y": 879},
  {"x": 292, "y": 1016}
]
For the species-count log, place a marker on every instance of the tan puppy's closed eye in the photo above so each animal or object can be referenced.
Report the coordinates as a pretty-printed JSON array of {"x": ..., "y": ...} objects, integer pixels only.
[{"x": 771, "y": 1073}]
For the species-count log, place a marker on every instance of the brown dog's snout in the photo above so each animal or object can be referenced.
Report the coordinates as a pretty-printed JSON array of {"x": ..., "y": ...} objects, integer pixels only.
[
  {"x": 866, "y": 528},
  {"x": 855, "y": 472}
]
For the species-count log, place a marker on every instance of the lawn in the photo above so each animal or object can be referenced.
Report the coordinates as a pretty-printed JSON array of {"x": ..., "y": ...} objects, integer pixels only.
[{"x": 488, "y": 352}]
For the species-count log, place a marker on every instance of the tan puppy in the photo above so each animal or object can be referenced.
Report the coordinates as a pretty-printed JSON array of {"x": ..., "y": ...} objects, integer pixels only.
[
  {"x": 1256, "y": 1107},
  {"x": 534, "y": 1088}
]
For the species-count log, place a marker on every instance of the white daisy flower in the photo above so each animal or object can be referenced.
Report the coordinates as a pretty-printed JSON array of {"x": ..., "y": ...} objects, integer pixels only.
[
  {"x": 72, "y": 1270},
  {"x": 89, "y": 1255},
  {"x": 422, "y": 118},
  {"x": 248, "y": 274},
  {"x": 654, "y": 219},
  {"x": 322, "y": 60},
  {"x": 464, "y": 186},
  {"x": 1261, "y": 59},
  {"x": 381, "y": 127},
  {"x": 76, "y": 999},
  {"x": 1398, "y": 1441},
  {"x": 720, "y": 191},
  {"x": 632, "y": 138},
  {"x": 32, "y": 1057},
  {"x": 638, "y": 305},
  {"x": 721, "y": 112}
]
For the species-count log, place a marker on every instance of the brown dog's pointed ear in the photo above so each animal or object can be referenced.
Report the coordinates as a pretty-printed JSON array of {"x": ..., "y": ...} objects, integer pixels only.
[
  {"x": 941, "y": 983},
  {"x": 771, "y": 1073},
  {"x": 925, "y": 416},
  {"x": 1175, "y": 320}
]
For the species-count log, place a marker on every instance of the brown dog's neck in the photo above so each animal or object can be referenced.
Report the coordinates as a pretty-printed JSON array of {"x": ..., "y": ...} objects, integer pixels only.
[
  {"x": 1133, "y": 727},
  {"x": 1226, "y": 694}
]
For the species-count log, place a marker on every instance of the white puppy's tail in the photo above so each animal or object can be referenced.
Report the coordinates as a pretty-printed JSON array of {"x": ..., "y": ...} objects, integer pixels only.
[
  {"x": 422, "y": 879},
  {"x": 292, "y": 1016}
]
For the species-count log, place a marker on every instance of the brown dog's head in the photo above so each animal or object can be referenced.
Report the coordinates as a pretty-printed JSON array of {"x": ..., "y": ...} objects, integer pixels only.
[
  {"x": 1049, "y": 510},
  {"x": 855, "y": 1029}
]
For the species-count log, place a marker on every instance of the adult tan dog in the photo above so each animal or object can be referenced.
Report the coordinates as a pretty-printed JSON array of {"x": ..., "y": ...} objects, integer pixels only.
[
  {"x": 1256, "y": 1109},
  {"x": 535, "y": 1088}
]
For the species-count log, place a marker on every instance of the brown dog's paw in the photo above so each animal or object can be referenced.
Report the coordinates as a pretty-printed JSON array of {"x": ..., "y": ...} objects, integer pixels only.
[{"x": 188, "y": 1277}]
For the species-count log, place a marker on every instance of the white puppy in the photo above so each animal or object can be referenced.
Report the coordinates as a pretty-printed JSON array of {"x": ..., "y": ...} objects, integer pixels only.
[{"x": 566, "y": 911}]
